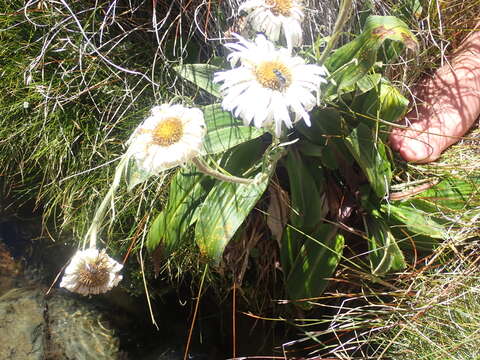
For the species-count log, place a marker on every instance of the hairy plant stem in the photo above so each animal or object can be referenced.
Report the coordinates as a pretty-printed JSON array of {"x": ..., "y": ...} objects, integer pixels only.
[
  {"x": 203, "y": 167},
  {"x": 107, "y": 200},
  {"x": 342, "y": 18}
]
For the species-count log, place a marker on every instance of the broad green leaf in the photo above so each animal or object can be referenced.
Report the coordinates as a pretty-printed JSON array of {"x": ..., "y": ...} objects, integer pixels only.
[
  {"x": 451, "y": 204},
  {"x": 415, "y": 220},
  {"x": 309, "y": 149},
  {"x": 392, "y": 103},
  {"x": 327, "y": 130},
  {"x": 244, "y": 158},
  {"x": 315, "y": 263},
  {"x": 371, "y": 156},
  {"x": 326, "y": 127},
  {"x": 201, "y": 75},
  {"x": 308, "y": 206},
  {"x": 171, "y": 225},
  {"x": 217, "y": 118},
  {"x": 411, "y": 242},
  {"x": 386, "y": 103},
  {"x": 368, "y": 82},
  {"x": 224, "y": 131},
  {"x": 307, "y": 200},
  {"x": 223, "y": 211},
  {"x": 354, "y": 60},
  {"x": 241, "y": 160},
  {"x": 453, "y": 194},
  {"x": 384, "y": 253}
]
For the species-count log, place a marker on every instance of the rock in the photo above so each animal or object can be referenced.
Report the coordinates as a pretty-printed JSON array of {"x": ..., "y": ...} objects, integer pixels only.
[
  {"x": 77, "y": 331},
  {"x": 56, "y": 328},
  {"x": 10, "y": 270},
  {"x": 22, "y": 326}
]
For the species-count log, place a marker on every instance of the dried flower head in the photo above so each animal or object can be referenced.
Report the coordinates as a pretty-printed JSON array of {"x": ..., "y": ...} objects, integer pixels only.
[{"x": 91, "y": 272}]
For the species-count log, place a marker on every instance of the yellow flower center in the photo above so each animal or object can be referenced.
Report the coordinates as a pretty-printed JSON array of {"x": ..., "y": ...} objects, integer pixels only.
[
  {"x": 94, "y": 274},
  {"x": 273, "y": 75},
  {"x": 280, "y": 7},
  {"x": 168, "y": 132}
]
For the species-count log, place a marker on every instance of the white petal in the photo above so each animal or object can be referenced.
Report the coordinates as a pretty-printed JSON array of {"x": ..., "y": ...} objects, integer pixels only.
[
  {"x": 246, "y": 98},
  {"x": 154, "y": 158},
  {"x": 262, "y": 19}
]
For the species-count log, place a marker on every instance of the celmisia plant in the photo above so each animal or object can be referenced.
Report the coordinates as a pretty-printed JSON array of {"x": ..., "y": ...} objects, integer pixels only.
[
  {"x": 316, "y": 121},
  {"x": 318, "y": 117}
]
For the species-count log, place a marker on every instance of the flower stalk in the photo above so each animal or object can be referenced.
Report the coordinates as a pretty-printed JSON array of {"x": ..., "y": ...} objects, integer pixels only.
[
  {"x": 203, "y": 167},
  {"x": 342, "y": 18},
  {"x": 91, "y": 235}
]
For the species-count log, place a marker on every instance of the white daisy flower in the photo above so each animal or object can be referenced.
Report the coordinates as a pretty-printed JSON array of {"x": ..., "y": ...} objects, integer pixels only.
[
  {"x": 276, "y": 17},
  {"x": 170, "y": 136},
  {"x": 91, "y": 272},
  {"x": 270, "y": 85}
]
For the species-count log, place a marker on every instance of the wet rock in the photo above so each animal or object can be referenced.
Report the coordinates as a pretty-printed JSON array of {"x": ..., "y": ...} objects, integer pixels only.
[
  {"x": 78, "y": 331},
  {"x": 64, "y": 326},
  {"x": 10, "y": 270},
  {"x": 22, "y": 325},
  {"x": 55, "y": 328}
]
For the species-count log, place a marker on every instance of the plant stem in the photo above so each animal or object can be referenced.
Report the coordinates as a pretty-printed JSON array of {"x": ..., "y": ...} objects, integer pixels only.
[
  {"x": 342, "y": 18},
  {"x": 101, "y": 210},
  {"x": 203, "y": 167}
]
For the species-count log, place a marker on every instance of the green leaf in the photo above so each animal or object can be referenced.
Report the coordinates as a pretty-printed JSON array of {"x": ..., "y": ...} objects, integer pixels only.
[
  {"x": 368, "y": 82},
  {"x": 327, "y": 130},
  {"x": 448, "y": 205},
  {"x": 326, "y": 127},
  {"x": 453, "y": 194},
  {"x": 223, "y": 211},
  {"x": 372, "y": 158},
  {"x": 244, "y": 158},
  {"x": 307, "y": 201},
  {"x": 201, "y": 75},
  {"x": 384, "y": 253},
  {"x": 415, "y": 220},
  {"x": 386, "y": 103},
  {"x": 170, "y": 227},
  {"x": 308, "y": 206},
  {"x": 224, "y": 131},
  {"x": 240, "y": 160},
  {"x": 310, "y": 149},
  {"x": 315, "y": 263},
  {"x": 354, "y": 60}
]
